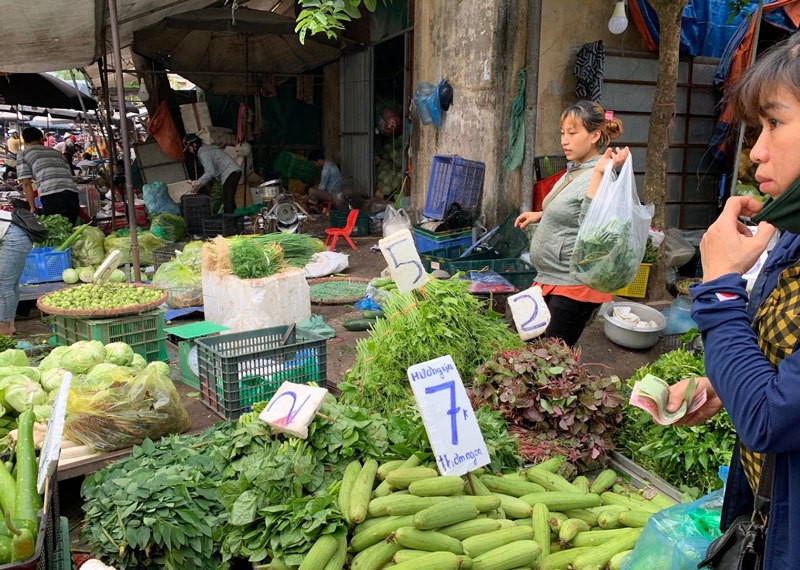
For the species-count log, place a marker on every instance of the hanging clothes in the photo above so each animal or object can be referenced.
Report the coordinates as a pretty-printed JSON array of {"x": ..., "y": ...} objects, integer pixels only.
[
  {"x": 516, "y": 128},
  {"x": 590, "y": 66}
]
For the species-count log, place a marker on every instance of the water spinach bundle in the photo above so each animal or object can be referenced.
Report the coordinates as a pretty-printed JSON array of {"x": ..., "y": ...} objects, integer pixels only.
[{"x": 603, "y": 257}]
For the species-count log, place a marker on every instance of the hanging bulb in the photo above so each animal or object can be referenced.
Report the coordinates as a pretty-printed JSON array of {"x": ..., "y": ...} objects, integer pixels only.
[
  {"x": 144, "y": 94},
  {"x": 619, "y": 21}
]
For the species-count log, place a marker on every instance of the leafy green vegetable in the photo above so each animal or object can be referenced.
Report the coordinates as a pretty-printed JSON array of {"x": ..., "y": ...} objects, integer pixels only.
[
  {"x": 7, "y": 342},
  {"x": 13, "y": 357},
  {"x": 650, "y": 252},
  {"x": 419, "y": 326},
  {"x": 249, "y": 260},
  {"x": 59, "y": 228},
  {"x": 603, "y": 258},
  {"x": 686, "y": 457},
  {"x": 297, "y": 248},
  {"x": 544, "y": 390}
]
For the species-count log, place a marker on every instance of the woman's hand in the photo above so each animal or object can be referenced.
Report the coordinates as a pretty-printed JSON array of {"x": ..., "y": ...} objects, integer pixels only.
[
  {"x": 527, "y": 218},
  {"x": 616, "y": 157},
  {"x": 711, "y": 406},
  {"x": 728, "y": 246}
]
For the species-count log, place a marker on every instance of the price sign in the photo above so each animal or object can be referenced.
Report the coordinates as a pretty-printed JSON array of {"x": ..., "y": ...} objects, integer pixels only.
[
  {"x": 448, "y": 416},
  {"x": 403, "y": 260},
  {"x": 51, "y": 448},
  {"x": 530, "y": 312},
  {"x": 293, "y": 407}
]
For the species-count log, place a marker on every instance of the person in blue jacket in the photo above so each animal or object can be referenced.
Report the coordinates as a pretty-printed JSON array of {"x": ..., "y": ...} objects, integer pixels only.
[{"x": 749, "y": 340}]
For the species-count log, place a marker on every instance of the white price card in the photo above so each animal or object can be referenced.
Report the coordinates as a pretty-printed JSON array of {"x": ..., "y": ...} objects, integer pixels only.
[
  {"x": 403, "y": 261},
  {"x": 51, "y": 448},
  {"x": 449, "y": 419},
  {"x": 293, "y": 407},
  {"x": 530, "y": 312}
]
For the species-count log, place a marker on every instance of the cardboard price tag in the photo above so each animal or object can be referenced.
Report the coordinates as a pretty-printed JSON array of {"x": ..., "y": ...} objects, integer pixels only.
[
  {"x": 293, "y": 407},
  {"x": 403, "y": 261},
  {"x": 530, "y": 312},
  {"x": 449, "y": 419},
  {"x": 51, "y": 448}
]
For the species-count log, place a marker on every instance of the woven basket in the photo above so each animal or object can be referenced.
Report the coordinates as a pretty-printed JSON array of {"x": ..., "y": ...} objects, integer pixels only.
[
  {"x": 342, "y": 300},
  {"x": 41, "y": 303}
]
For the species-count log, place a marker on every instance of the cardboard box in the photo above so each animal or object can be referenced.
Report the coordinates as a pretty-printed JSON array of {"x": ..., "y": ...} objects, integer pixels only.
[{"x": 195, "y": 117}]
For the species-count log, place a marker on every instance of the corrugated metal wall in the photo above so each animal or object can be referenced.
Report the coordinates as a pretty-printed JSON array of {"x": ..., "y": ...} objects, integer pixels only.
[
  {"x": 357, "y": 118},
  {"x": 692, "y": 175}
]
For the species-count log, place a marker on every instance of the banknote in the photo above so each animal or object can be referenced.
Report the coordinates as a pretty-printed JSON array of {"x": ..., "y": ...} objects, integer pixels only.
[{"x": 651, "y": 394}]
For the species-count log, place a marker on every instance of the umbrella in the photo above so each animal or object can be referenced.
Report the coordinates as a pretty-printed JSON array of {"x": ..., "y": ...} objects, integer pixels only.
[{"x": 41, "y": 90}]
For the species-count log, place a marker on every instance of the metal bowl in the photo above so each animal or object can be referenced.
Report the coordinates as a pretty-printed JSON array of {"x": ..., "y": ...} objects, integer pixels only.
[
  {"x": 268, "y": 190},
  {"x": 629, "y": 336}
]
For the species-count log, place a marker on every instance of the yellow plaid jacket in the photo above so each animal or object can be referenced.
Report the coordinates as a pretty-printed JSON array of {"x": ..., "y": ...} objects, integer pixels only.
[{"x": 777, "y": 324}]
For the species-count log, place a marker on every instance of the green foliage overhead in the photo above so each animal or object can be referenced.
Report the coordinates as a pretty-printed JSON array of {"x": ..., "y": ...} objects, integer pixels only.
[{"x": 329, "y": 16}]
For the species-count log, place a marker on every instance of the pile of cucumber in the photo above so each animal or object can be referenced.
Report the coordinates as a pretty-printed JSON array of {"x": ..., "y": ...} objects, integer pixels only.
[
  {"x": 406, "y": 516},
  {"x": 364, "y": 323}
]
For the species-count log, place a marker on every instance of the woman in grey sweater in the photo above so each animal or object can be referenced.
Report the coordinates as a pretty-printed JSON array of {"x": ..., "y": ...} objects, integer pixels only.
[{"x": 586, "y": 131}]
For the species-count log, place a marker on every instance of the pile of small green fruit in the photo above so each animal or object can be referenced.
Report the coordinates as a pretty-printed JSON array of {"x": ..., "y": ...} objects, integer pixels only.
[
  {"x": 86, "y": 275},
  {"x": 108, "y": 296}
]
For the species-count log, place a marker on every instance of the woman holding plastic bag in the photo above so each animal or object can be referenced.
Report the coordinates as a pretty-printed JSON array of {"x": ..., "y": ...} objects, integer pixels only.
[
  {"x": 586, "y": 131},
  {"x": 752, "y": 365}
]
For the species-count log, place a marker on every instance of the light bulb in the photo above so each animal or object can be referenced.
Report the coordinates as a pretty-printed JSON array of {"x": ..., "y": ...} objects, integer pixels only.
[
  {"x": 619, "y": 21},
  {"x": 144, "y": 94}
]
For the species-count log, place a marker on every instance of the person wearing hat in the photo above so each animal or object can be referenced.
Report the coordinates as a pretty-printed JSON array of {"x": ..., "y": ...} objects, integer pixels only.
[
  {"x": 217, "y": 164},
  {"x": 13, "y": 144},
  {"x": 57, "y": 190}
]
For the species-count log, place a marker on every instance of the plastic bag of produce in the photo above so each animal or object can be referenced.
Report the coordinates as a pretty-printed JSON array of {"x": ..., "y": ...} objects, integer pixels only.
[
  {"x": 192, "y": 255},
  {"x": 124, "y": 414},
  {"x": 613, "y": 235},
  {"x": 121, "y": 240},
  {"x": 677, "y": 538},
  {"x": 157, "y": 200},
  {"x": 89, "y": 249},
  {"x": 184, "y": 285},
  {"x": 168, "y": 227}
]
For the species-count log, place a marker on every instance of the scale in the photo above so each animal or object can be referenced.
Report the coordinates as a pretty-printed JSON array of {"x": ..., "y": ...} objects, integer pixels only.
[{"x": 187, "y": 348}]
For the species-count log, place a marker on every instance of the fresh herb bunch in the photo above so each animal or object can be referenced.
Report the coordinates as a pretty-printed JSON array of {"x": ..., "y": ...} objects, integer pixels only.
[
  {"x": 424, "y": 324},
  {"x": 7, "y": 342},
  {"x": 58, "y": 227},
  {"x": 552, "y": 400},
  {"x": 250, "y": 260},
  {"x": 297, "y": 248},
  {"x": 687, "y": 457},
  {"x": 603, "y": 258},
  {"x": 650, "y": 252}
]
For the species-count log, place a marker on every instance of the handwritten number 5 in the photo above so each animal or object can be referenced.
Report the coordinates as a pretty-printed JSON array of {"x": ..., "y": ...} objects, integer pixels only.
[
  {"x": 398, "y": 264},
  {"x": 453, "y": 411},
  {"x": 527, "y": 326}
]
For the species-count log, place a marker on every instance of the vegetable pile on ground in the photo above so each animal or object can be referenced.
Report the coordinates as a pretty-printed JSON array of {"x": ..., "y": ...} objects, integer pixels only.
[
  {"x": 555, "y": 405},
  {"x": 94, "y": 297},
  {"x": 603, "y": 259},
  {"x": 424, "y": 324},
  {"x": 239, "y": 490},
  {"x": 686, "y": 457}
]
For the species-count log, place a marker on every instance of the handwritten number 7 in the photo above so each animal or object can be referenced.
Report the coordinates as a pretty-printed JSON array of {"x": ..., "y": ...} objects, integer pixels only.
[
  {"x": 527, "y": 326},
  {"x": 397, "y": 264},
  {"x": 453, "y": 411}
]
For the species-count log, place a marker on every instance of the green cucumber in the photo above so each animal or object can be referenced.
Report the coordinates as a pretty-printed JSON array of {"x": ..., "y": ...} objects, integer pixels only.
[{"x": 358, "y": 324}]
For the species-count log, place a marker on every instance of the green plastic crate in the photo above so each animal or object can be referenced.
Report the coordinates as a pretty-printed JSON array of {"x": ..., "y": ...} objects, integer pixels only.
[
  {"x": 143, "y": 332},
  {"x": 61, "y": 558},
  {"x": 517, "y": 271},
  {"x": 436, "y": 258},
  {"x": 237, "y": 370}
]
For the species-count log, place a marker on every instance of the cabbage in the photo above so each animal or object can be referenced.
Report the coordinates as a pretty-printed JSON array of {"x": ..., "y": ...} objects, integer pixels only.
[
  {"x": 21, "y": 393},
  {"x": 69, "y": 276},
  {"x": 51, "y": 379},
  {"x": 88, "y": 248},
  {"x": 86, "y": 274},
  {"x": 161, "y": 368},
  {"x": 13, "y": 357},
  {"x": 53, "y": 360},
  {"x": 104, "y": 375},
  {"x": 117, "y": 276},
  {"x": 138, "y": 363},
  {"x": 119, "y": 353},
  {"x": 82, "y": 356},
  {"x": 42, "y": 412},
  {"x": 29, "y": 371}
]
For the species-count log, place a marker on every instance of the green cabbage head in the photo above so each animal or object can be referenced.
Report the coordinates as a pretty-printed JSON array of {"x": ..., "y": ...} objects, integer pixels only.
[
  {"x": 82, "y": 356},
  {"x": 21, "y": 393},
  {"x": 119, "y": 353},
  {"x": 13, "y": 357}
]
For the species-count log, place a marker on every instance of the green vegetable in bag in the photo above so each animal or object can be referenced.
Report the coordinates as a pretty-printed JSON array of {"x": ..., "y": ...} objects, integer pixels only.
[
  {"x": 122, "y": 241},
  {"x": 89, "y": 248},
  {"x": 184, "y": 286},
  {"x": 168, "y": 226}
]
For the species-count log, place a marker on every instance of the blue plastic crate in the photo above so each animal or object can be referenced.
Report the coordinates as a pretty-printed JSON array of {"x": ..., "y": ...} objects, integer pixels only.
[
  {"x": 453, "y": 179},
  {"x": 428, "y": 241},
  {"x": 44, "y": 265}
]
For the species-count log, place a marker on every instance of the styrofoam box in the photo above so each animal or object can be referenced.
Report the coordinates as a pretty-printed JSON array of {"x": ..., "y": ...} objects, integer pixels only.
[
  {"x": 250, "y": 304},
  {"x": 195, "y": 117}
]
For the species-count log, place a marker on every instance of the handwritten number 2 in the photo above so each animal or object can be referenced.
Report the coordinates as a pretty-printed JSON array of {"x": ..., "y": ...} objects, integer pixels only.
[
  {"x": 527, "y": 326},
  {"x": 453, "y": 411},
  {"x": 292, "y": 414},
  {"x": 397, "y": 264}
]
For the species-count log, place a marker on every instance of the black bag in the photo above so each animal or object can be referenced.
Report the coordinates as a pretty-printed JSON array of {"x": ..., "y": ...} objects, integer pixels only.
[
  {"x": 23, "y": 218},
  {"x": 741, "y": 547}
]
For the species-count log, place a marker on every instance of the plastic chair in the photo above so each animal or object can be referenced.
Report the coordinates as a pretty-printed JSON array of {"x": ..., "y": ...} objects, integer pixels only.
[{"x": 333, "y": 234}]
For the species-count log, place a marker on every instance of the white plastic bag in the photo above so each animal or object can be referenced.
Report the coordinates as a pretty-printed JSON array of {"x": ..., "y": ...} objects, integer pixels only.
[
  {"x": 613, "y": 235},
  {"x": 395, "y": 220},
  {"x": 326, "y": 263}
]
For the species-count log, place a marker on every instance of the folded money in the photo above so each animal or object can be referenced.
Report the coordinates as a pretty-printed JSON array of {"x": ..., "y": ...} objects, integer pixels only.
[{"x": 651, "y": 394}]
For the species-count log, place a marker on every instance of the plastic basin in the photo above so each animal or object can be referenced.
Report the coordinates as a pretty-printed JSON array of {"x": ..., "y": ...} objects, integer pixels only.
[{"x": 629, "y": 336}]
